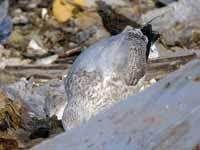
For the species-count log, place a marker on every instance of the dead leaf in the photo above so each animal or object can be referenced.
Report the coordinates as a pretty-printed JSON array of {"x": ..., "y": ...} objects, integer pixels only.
[
  {"x": 63, "y": 9},
  {"x": 197, "y": 78},
  {"x": 10, "y": 144},
  {"x": 10, "y": 111}
]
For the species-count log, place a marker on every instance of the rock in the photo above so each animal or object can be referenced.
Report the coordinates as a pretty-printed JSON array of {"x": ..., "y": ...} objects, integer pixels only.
[
  {"x": 90, "y": 29},
  {"x": 36, "y": 48},
  {"x": 18, "y": 127},
  {"x": 177, "y": 23},
  {"x": 143, "y": 6},
  {"x": 33, "y": 101},
  {"x": 86, "y": 20},
  {"x": 47, "y": 60},
  {"x": 181, "y": 11},
  {"x": 21, "y": 19},
  {"x": 91, "y": 35},
  {"x": 83, "y": 36},
  {"x": 113, "y": 21},
  {"x": 32, "y": 4},
  {"x": 99, "y": 34},
  {"x": 42, "y": 101},
  {"x": 56, "y": 99},
  {"x": 131, "y": 12},
  {"x": 164, "y": 116}
]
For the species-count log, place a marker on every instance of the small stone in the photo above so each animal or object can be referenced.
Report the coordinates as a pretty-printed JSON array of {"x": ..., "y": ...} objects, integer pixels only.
[
  {"x": 152, "y": 81},
  {"x": 21, "y": 19},
  {"x": 34, "y": 48},
  {"x": 47, "y": 60},
  {"x": 44, "y": 13}
]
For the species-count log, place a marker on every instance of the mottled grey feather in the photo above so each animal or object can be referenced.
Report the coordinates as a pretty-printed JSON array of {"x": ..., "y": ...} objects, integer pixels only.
[{"x": 104, "y": 74}]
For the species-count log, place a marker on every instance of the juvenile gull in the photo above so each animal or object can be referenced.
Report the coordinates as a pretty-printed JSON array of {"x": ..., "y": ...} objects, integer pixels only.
[{"x": 105, "y": 73}]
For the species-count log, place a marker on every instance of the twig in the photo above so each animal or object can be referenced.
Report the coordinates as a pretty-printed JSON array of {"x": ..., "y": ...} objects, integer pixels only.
[
  {"x": 71, "y": 52},
  {"x": 156, "y": 68}
]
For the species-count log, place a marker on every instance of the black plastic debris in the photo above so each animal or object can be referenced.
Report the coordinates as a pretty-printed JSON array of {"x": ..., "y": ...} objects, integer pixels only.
[{"x": 163, "y": 3}]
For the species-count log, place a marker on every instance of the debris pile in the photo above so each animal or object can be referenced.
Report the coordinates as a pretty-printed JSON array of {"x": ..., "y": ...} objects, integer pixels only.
[{"x": 48, "y": 35}]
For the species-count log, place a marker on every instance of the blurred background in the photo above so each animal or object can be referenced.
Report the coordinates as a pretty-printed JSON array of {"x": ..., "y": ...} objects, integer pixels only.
[{"x": 43, "y": 28}]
